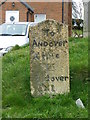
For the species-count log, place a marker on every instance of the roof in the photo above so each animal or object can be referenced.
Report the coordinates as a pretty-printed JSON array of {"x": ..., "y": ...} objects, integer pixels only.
[
  {"x": 24, "y": 3},
  {"x": 3, "y": 2}
]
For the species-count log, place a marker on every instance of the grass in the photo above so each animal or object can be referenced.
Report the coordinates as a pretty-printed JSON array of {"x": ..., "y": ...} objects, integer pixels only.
[
  {"x": 76, "y": 31},
  {"x": 17, "y": 100}
]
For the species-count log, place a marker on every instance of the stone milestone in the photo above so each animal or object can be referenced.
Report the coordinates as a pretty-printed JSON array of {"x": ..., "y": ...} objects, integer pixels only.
[{"x": 49, "y": 58}]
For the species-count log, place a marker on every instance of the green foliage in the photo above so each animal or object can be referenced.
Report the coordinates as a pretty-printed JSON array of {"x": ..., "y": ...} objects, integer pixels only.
[
  {"x": 76, "y": 31},
  {"x": 16, "y": 99},
  {"x": 78, "y": 22},
  {"x": 16, "y": 47}
]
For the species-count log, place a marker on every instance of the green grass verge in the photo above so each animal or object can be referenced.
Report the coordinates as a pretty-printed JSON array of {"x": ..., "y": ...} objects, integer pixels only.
[
  {"x": 16, "y": 99},
  {"x": 79, "y": 32}
]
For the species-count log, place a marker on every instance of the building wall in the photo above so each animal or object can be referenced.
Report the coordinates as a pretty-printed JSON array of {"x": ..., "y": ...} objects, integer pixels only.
[
  {"x": 18, "y": 6},
  {"x": 70, "y": 18},
  {"x": 53, "y": 10}
]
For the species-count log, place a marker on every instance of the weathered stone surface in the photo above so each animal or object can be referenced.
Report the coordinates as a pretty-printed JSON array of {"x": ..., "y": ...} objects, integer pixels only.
[{"x": 49, "y": 58}]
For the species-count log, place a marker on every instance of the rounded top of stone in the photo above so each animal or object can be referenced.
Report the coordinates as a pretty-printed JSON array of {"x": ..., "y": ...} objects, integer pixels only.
[{"x": 51, "y": 21}]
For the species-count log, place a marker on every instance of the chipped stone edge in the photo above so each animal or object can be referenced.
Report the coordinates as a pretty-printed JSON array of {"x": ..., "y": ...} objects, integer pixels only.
[{"x": 52, "y": 20}]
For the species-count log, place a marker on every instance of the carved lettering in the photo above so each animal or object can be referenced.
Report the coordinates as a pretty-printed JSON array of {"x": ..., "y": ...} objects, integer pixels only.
[
  {"x": 40, "y": 44},
  {"x": 57, "y": 55},
  {"x": 52, "y": 33},
  {"x": 45, "y": 31},
  {"x": 52, "y": 88},
  {"x": 57, "y": 78},
  {"x": 45, "y": 56},
  {"x": 50, "y": 44},
  {"x": 34, "y": 43},
  {"x": 36, "y": 56},
  {"x": 45, "y": 43},
  {"x": 46, "y": 87},
  {"x": 49, "y": 58}
]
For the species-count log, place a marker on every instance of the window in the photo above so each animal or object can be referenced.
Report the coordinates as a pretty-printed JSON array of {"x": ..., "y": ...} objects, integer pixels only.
[
  {"x": 12, "y": 16},
  {"x": 13, "y": 29},
  {"x": 39, "y": 17}
]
